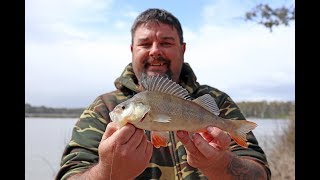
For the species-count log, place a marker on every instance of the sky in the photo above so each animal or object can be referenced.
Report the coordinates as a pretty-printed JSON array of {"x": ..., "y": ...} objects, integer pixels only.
[{"x": 75, "y": 49}]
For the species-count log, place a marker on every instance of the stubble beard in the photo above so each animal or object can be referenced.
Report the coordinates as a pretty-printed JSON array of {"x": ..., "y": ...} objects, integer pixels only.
[{"x": 168, "y": 73}]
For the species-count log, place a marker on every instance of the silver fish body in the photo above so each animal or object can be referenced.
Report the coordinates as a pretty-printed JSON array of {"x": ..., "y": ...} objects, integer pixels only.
[
  {"x": 172, "y": 113},
  {"x": 166, "y": 106}
]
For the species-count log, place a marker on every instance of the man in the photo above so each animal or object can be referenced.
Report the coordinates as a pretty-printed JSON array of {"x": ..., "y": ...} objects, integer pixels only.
[{"x": 99, "y": 150}]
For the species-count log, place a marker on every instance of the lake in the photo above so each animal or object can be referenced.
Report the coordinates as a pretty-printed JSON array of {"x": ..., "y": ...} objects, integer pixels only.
[{"x": 45, "y": 139}]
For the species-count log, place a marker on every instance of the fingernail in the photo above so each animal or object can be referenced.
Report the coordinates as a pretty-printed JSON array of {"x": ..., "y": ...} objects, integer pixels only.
[
  {"x": 194, "y": 136},
  {"x": 210, "y": 129}
]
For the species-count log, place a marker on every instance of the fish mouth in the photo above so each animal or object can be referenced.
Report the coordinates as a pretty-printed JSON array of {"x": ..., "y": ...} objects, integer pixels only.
[{"x": 113, "y": 117}]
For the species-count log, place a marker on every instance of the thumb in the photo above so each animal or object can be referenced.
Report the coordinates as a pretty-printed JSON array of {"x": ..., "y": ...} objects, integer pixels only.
[
  {"x": 220, "y": 138},
  {"x": 110, "y": 129}
]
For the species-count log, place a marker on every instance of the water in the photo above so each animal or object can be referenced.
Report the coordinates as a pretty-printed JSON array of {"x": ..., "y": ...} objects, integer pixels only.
[
  {"x": 269, "y": 127},
  {"x": 45, "y": 139}
]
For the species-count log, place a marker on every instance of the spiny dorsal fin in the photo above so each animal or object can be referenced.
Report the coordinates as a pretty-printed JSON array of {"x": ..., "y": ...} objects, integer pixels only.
[
  {"x": 207, "y": 102},
  {"x": 163, "y": 84}
]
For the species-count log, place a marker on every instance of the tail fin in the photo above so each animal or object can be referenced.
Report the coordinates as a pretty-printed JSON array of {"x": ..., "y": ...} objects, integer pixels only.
[{"x": 239, "y": 133}]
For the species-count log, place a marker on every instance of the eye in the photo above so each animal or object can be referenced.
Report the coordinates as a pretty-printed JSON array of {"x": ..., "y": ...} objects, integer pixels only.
[
  {"x": 165, "y": 44},
  {"x": 123, "y": 107},
  {"x": 145, "y": 44}
]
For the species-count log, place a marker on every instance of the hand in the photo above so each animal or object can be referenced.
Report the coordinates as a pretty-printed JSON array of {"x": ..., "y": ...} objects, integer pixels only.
[
  {"x": 206, "y": 151},
  {"x": 124, "y": 153}
]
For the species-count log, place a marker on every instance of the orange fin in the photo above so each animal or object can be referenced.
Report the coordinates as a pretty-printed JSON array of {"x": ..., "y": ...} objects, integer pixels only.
[
  {"x": 240, "y": 140},
  {"x": 239, "y": 134},
  {"x": 159, "y": 138}
]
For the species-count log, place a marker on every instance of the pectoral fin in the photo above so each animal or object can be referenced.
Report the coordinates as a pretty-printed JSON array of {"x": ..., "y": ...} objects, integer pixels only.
[
  {"x": 159, "y": 138},
  {"x": 161, "y": 118}
]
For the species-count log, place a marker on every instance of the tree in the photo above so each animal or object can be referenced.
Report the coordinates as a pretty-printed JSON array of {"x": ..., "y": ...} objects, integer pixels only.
[{"x": 269, "y": 17}]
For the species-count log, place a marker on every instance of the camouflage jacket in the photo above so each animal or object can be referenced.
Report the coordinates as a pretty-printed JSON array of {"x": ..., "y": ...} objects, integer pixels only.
[{"x": 167, "y": 162}]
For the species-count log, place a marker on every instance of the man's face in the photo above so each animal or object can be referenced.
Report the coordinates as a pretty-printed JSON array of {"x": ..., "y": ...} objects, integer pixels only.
[{"x": 156, "y": 50}]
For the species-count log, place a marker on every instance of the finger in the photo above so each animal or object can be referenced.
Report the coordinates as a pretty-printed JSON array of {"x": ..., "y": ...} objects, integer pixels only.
[
  {"x": 123, "y": 135},
  {"x": 143, "y": 143},
  {"x": 186, "y": 141},
  {"x": 202, "y": 145},
  {"x": 207, "y": 136},
  {"x": 110, "y": 129},
  {"x": 135, "y": 139},
  {"x": 149, "y": 149},
  {"x": 220, "y": 138}
]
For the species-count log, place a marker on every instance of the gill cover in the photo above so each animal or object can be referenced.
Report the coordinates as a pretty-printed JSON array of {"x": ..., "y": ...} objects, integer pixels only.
[{"x": 139, "y": 111}]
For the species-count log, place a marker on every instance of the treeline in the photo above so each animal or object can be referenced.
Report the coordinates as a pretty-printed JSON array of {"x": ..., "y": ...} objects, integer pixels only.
[
  {"x": 265, "y": 109},
  {"x": 259, "y": 109},
  {"x": 42, "y": 111}
]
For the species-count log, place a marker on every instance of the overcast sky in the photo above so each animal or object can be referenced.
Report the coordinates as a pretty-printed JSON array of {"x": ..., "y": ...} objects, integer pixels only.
[{"x": 76, "y": 48}]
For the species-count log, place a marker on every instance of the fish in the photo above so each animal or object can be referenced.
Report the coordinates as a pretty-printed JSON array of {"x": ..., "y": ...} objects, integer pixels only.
[{"x": 163, "y": 105}]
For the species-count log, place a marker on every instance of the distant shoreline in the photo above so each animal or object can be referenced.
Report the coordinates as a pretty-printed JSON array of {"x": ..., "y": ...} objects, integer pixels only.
[
  {"x": 260, "y": 109},
  {"x": 45, "y": 115}
]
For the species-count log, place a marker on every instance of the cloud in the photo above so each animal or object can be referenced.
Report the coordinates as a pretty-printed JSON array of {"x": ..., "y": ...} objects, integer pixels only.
[
  {"x": 74, "y": 68},
  {"x": 224, "y": 12},
  {"x": 239, "y": 54},
  {"x": 76, "y": 49}
]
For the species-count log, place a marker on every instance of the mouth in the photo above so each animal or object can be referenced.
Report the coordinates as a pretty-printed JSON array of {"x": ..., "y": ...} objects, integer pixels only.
[
  {"x": 156, "y": 67},
  {"x": 113, "y": 117},
  {"x": 157, "y": 64}
]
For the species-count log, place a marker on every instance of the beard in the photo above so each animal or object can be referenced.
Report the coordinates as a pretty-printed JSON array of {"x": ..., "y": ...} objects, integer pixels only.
[{"x": 159, "y": 59}]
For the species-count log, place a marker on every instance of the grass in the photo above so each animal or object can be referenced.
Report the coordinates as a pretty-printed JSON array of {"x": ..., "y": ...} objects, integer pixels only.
[{"x": 280, "y": 151}]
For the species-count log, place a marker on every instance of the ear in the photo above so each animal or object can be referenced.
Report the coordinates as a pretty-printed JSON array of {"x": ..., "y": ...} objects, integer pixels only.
[
  {"x": 183, "y": 47},
  {"x": 131, "y": 48}
]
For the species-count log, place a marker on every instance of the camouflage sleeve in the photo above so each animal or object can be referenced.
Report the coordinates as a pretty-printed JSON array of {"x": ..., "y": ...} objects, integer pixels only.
[
  {"x": 230, "y": 110},
  {"x": 82, "y": 150}
]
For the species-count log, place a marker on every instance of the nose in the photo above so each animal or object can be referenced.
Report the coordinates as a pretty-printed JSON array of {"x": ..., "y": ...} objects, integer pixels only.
[{"x": 155, "y": 50}]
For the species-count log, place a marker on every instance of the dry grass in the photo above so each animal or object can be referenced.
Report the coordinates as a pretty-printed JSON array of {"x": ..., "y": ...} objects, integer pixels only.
[{"x": 281, "y": 153}]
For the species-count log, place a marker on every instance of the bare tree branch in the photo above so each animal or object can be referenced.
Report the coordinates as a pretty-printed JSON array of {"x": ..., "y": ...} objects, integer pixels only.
[{"x": 269, "y": 17}]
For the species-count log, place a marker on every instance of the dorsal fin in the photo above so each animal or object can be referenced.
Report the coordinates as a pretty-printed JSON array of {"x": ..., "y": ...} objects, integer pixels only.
[
  {"x": 208, "y": 102},
  {"x": 163, "y": 84}
]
